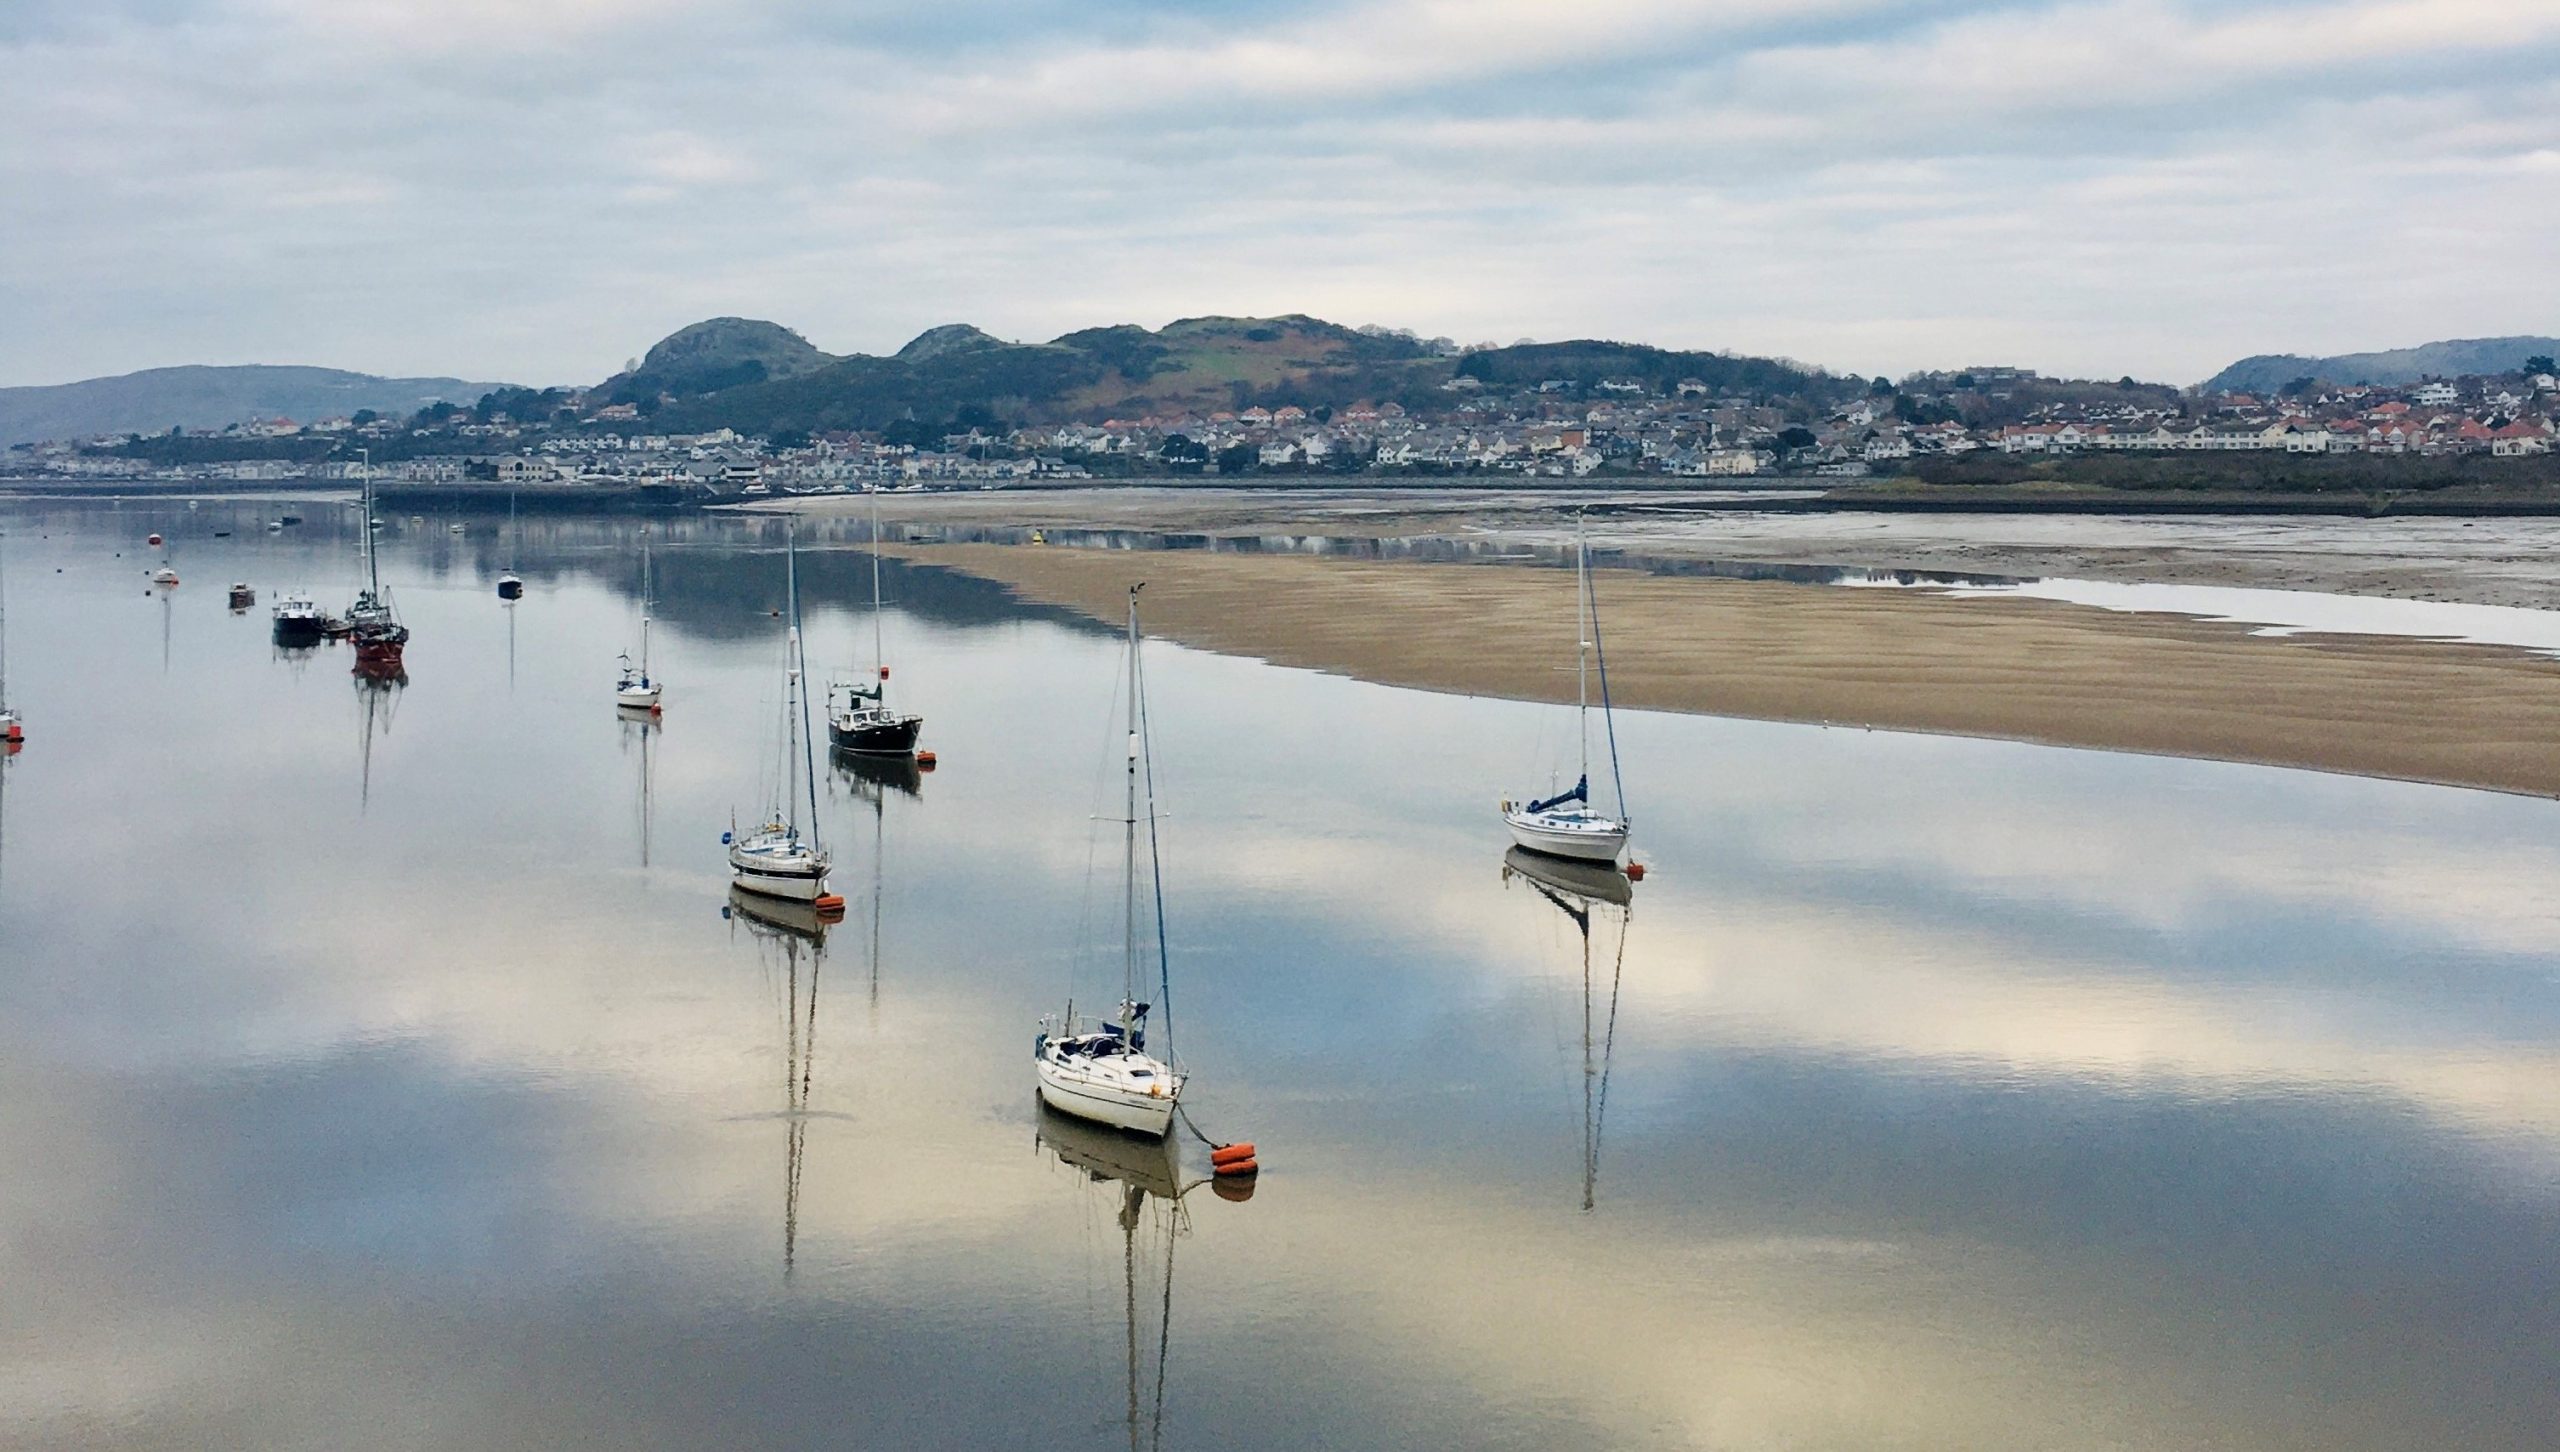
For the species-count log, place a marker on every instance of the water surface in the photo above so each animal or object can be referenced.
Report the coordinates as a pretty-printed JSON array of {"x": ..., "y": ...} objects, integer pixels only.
[{"x": 388, "y": 1068}]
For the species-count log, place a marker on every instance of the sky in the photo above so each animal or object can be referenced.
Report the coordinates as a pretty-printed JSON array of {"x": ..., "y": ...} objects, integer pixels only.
[{"x": 535, "y": 190}]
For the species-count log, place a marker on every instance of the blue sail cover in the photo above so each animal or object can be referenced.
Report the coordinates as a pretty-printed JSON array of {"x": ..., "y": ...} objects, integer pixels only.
[{"x": 1581, "y": 793}]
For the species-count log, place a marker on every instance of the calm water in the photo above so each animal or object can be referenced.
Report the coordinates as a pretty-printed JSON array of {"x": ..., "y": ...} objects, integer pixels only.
[{"x": 384, "y": 1070}]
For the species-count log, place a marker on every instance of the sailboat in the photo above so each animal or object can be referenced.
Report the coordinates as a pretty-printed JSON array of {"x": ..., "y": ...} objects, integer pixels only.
[
  {"x": 1565, "y": 825},
  {"x": 1103, "y": 1073},
  {"x": 13, "y": 728},
  {"x": 775, "y": 859},
  {"x": 379, "y": 636},
  {"x": 636, "y": 691},
  {"x": 509, "y": 586},
  {"x": 1580, "y": 890},
  {"x": 858, "y": 716}
]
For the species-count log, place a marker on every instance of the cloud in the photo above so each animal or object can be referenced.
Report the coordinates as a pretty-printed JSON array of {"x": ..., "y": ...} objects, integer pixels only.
[{"x": 2099, "y": 186}]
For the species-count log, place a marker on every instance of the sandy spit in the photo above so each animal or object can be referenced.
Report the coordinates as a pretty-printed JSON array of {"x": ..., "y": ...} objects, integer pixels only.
[{"x": 2026, "y": 670}]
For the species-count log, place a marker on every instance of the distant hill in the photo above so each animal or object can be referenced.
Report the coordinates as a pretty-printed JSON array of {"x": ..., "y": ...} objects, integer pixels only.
[
  {"x": 717, "y": 353},
  {"x": 957, "y": 373},
  {"x": 200, "y": 397},
  {"x": 2455, "y": 358}
]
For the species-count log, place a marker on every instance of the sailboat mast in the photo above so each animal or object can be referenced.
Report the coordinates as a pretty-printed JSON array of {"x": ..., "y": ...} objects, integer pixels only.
[
  {"x": 1129, "y": 985},
  {"x": 1582, "y": 641},
  {"x": 372, "y": 566},
  {"x": 879, "y": 652},
  {"x": 805, "y": 748},
  {"x": 4, "y": 629},
  {"x": 644, "y": 603},
  {"x": 791, "y": 680}
]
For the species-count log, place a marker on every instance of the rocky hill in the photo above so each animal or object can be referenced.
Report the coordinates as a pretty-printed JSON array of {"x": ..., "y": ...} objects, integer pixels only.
[
  {"x": 962, "y": 375},
  {"x": 716, "y": 354}
]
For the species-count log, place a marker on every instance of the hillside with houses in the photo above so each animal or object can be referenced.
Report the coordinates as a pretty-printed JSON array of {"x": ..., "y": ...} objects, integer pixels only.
[{"x": 735, "y": 406}]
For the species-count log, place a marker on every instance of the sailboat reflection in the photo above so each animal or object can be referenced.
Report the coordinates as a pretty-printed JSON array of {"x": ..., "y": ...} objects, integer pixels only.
[
  {"x": 378, "y": 691},
  {"x": 641, "y": 729},
  {"x": 873, "y": 779},
  {"x": 1146, "y": 1188},
  {"x": 796, "y": 931},
  {"x": 1581, "y": 890}
]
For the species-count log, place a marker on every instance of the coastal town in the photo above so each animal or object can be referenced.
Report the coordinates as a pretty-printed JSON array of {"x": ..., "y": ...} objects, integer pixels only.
[{"x": 1555, "y": 429}]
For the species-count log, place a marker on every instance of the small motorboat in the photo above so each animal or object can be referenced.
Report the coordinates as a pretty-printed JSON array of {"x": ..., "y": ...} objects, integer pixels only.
[
  {"x": 164, "y": 576},
  {"x": 242, "y": 597},
  {"x": 298, "y": 620},
  {"x": 275, "y": 526}
]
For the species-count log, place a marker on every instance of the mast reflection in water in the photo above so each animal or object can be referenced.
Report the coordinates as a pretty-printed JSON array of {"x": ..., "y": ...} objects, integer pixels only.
[{"x": 1583, "y": 891}]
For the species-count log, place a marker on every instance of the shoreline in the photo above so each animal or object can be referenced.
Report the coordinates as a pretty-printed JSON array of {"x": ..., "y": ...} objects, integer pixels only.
[{"x": 2474, "y": 716}]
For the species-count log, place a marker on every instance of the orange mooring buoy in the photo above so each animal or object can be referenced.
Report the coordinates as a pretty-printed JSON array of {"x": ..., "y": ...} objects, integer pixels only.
[
  {"x": 926, "y": 759},
  {"x": 1236, "y": 1168},
  {"x": 1236, "y": 1190},
  {"x": 1225, "y": 1153},
  {"x": 829, "y": 904},
  {"x": 1635, "y": 872}
]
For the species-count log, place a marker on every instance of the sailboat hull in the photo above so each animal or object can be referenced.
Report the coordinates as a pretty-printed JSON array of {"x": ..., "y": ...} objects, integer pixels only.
[
  {"x": 639, "y": 698},
  {"x": 797, "y": 875},
  {"x": 1132, "y": 1110},
  {"x": 874, "y": 735},
  {"x": 1555, "y": 834}
]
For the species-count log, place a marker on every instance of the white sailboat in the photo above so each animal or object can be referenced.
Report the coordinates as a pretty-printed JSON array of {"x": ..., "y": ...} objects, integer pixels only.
[
  {"x": 1102, "y": 1072},
  {"x": 1565, "y": 824},
  {"x": 858, "y": 716},
  {"x": 775, "y": 859},
  {"x": 636, "y": 691},
  {"x": 510, "y": 586}
]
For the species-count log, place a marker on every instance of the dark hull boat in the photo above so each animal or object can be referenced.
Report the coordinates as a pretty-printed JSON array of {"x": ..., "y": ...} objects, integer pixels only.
[{"x": 874, "y": 732}]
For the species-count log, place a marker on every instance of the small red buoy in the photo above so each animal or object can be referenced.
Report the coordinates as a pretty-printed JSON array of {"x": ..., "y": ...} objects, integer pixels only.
[
  {"x": 829, "y": 904},
  {"x": 926, "y": 759},
  {"x": 1635, "y": 872},
  {"x": 1229, "y": 1153},
  {"x": 155, "y": 539},
  {"x": 1238, "y": 1190},
  {"x": 1237, "y": 1168},
  {"x": 884, "y": 673},
  {"x": 656, "y": 710}
]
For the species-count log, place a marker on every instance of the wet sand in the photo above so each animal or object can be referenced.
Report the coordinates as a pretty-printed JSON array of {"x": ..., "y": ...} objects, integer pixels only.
[
  {"x": 2029, "y": 670},
  {"x": 2509, "y": 561}
]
